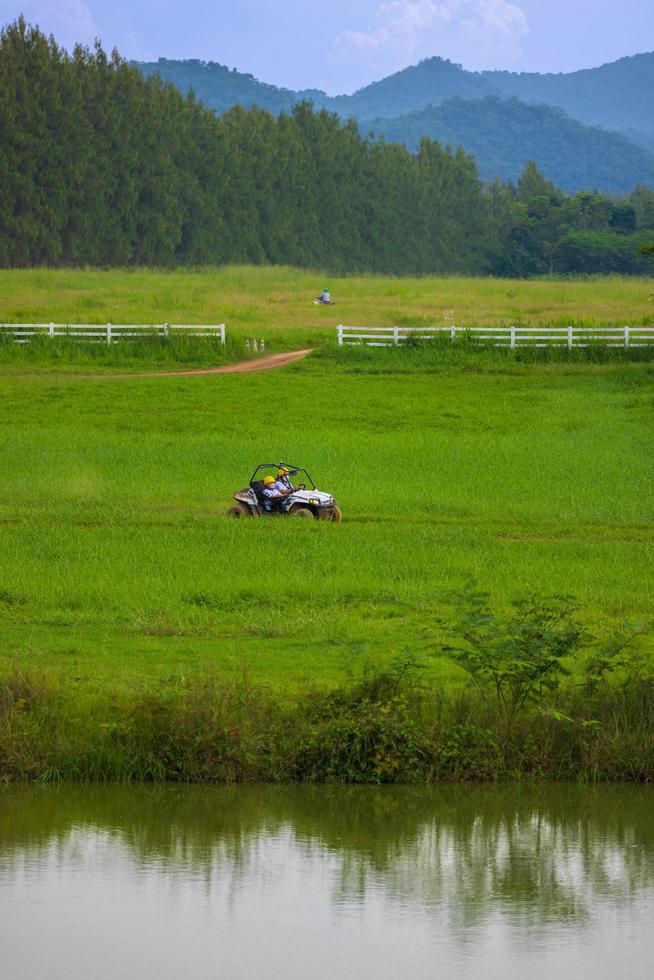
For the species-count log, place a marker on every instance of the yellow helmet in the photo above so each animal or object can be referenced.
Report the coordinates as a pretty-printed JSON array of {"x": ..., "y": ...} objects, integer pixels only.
[
  {"x": 267, "y": 480},
  {"x": 283, "y": 471}
]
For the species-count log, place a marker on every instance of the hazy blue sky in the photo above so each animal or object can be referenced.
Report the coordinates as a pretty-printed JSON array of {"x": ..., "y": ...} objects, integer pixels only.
[{"x": 340, "y": 45}]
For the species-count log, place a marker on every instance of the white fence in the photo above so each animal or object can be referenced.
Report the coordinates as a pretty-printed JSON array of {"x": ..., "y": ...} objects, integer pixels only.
[
  {"x": 109, "y": 333},
  {"x": 620, "y": 336}
]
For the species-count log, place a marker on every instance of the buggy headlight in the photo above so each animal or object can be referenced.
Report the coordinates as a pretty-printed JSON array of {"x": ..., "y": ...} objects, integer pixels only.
[{"x": 314, "y": 500}]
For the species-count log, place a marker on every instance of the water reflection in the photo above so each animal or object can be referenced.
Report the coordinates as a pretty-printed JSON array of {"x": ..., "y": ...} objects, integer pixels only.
[{"x": 496, "y": 879}]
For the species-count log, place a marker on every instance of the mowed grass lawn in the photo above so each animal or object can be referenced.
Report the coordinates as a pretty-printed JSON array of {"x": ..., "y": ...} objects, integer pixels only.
[{"x": 117, "y": 564}]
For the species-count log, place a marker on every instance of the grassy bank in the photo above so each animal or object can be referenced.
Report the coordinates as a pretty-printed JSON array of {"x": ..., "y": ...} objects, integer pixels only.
[{"x": 381, "y": 730}]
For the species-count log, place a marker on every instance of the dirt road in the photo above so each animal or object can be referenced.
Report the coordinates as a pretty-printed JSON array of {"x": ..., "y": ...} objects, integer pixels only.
[{"x": 267, "y": 363}]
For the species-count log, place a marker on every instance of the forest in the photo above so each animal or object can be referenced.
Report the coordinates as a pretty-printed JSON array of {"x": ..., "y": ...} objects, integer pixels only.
[{"x": 104, "y": 167}]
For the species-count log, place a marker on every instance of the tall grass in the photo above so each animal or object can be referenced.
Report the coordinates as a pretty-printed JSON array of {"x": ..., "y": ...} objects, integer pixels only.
[
  {"x": 469, "y": 354},
  {"x": 117, "y": 562},
  {"x": 68, "y": 355},
  {"x": 141, "y": 353}
]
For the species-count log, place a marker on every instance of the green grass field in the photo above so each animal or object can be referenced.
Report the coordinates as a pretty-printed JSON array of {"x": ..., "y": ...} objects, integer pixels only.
[
  {"x": 277, "y": 302},
  {"x": 117, "y": 563},
  {"x": 143, "y": 634}
]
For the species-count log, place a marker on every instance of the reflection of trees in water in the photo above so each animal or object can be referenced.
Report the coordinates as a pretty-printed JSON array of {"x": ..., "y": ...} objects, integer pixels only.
[
  {"x": 527, "y": 865},
  {"x": 542, "y": 854}
]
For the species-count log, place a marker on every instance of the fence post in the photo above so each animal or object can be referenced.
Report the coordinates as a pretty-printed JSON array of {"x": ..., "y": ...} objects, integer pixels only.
[
  {"x": 396, "y": 336},
  {"x": 570, "y": 337},
  {"x": 222, "y": 334},
  {"x": 626, "y": 336},
  {"x": 452, "y": 333},
  {"x": 340, "y": 335},
  {"x": 51, "y": 329},
  {"x": 512, "y": 341},
  {"x": 165, "y": 329},
  {"x": 108, "y": 333}
]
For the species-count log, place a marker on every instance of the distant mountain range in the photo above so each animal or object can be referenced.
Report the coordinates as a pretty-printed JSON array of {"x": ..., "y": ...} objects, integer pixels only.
[
  {"x": 504, "y": 134},
  {"x": 502, "y": 118}
]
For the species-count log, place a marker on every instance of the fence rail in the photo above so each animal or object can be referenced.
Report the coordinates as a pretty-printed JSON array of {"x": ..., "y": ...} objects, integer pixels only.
[
  {"x": 513, "y": 336},
  {"x": 109, "y": 333}
]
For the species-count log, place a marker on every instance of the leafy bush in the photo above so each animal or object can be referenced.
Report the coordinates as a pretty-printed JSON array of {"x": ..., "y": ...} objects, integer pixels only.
[{"x": 516, "y": 657}]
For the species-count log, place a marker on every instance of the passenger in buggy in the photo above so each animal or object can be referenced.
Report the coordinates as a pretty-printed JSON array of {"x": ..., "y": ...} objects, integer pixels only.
[{"x": 273, "y": 493}]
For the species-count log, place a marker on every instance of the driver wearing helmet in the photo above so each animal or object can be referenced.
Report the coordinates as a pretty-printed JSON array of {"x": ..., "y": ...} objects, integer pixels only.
[{"x": 283, "y": 482}]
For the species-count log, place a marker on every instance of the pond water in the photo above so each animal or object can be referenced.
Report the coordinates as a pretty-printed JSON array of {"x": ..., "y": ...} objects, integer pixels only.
[{"x": 117, "y": 883}]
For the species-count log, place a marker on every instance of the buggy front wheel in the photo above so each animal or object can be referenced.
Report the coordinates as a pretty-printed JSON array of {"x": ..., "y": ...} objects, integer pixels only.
[
  {"x": 238, "y": 510},
  {"x": 301, "y": 512}
]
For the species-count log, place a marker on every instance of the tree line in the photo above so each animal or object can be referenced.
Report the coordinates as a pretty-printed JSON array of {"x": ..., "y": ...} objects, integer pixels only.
[{"x": 102, "y": 166}]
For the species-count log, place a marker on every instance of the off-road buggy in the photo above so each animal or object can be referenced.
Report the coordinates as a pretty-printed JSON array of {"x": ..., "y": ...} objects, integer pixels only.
[{"x": 305, "y": 500}]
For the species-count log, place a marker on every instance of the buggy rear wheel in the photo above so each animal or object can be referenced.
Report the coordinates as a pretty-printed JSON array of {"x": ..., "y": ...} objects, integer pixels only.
[{"x": 238, "y": 510}]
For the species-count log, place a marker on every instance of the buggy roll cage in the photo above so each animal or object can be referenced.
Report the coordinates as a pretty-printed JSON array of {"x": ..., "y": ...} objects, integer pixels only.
[{"x": 277, "y": 466}]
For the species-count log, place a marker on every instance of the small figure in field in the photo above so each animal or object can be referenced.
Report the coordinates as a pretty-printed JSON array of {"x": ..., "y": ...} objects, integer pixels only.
[{"x": 325, "y": 298}]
